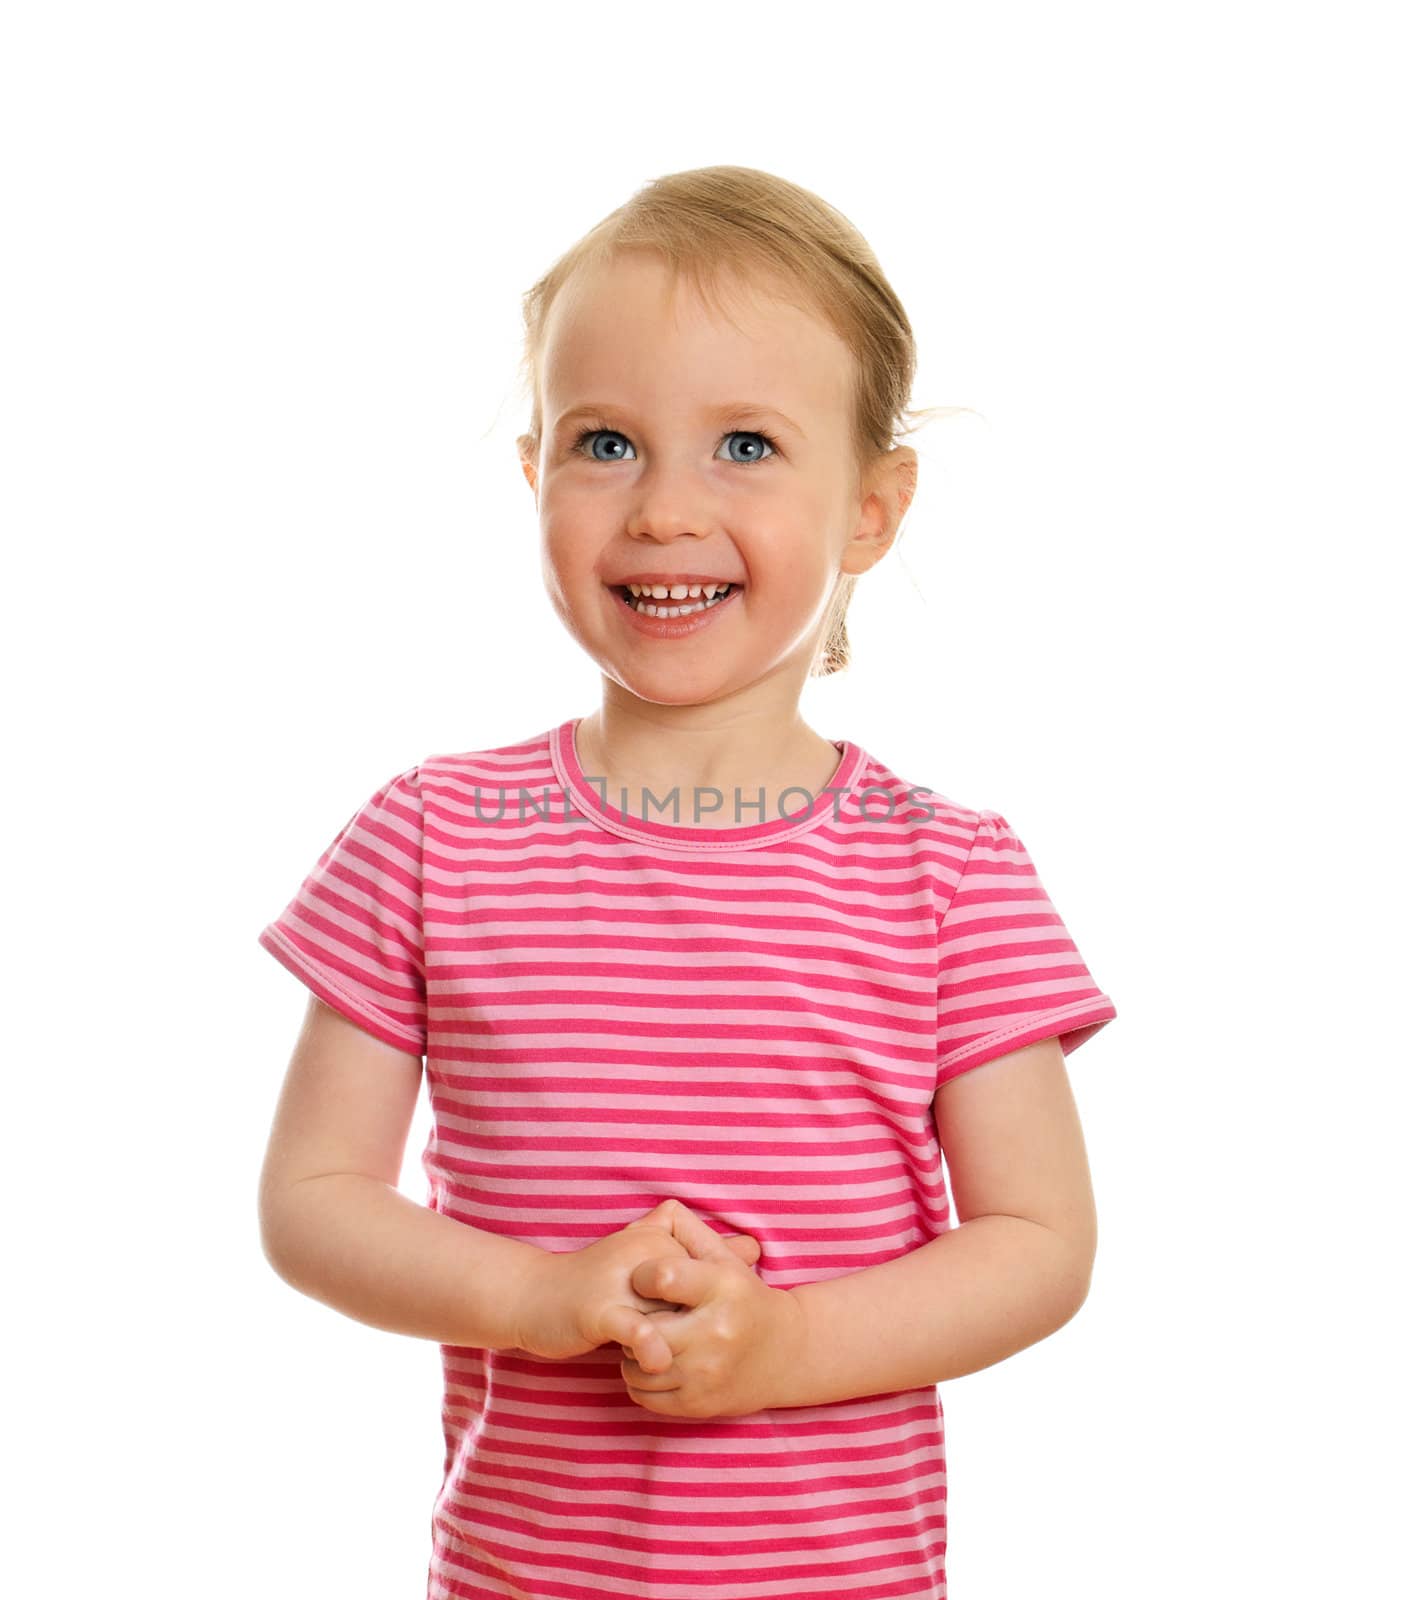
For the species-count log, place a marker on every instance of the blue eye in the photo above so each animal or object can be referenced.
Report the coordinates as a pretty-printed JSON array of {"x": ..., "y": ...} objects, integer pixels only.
[
  {"x": 598, "y": 433},
  {"x": 583, "y": 447},
  {"x": 763, "y": 438}
]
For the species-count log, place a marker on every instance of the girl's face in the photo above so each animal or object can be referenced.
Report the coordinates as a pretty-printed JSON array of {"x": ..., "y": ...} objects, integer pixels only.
[{"x": 677, "y": 446}]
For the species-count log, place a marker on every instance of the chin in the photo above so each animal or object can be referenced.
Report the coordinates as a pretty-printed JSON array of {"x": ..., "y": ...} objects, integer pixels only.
[{"x": 666, "y": 688}]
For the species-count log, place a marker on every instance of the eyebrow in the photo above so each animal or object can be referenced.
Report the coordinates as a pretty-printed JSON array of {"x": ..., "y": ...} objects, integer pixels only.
[{"x": 736, "y": 411}]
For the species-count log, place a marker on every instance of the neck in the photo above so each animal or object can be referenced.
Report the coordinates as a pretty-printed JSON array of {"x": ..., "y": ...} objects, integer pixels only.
[{"x": 696, "y": 748}]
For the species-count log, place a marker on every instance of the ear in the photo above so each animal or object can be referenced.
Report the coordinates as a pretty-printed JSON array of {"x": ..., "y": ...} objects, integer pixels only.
[
  {"x": 904, "y": 469},
  {"x": 888, "y": 489},
  {"x": 525, "y": 449}
]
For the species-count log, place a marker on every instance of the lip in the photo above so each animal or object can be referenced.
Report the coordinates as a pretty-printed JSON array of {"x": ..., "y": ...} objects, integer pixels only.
[
  {"x": 674, "y": 627},
  {"x": 669, "y": 578}
]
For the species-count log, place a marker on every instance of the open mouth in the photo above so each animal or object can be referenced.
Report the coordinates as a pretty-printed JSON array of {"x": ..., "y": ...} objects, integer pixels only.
[{"x": 651, "y": 606}]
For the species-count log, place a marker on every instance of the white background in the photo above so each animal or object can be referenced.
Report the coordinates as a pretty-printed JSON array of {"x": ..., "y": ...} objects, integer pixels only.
[{"x": 268, "y": 544}]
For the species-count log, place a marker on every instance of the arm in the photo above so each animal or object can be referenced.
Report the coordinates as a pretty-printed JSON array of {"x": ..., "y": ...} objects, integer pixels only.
[
  {"x": 334, "y": 1224},
  {"x": 357, "y": 1244},
  {"x": 1016, "y": 1269}
]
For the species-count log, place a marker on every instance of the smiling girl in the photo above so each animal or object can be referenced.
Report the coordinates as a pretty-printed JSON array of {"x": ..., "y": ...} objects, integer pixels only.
[{"x": 697, "y": 1083}]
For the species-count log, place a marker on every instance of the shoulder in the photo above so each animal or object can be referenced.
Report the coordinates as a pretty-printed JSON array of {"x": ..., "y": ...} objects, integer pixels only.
[
  {"x": 508, "y": 788},
  {"x": 525, "y": 761},
  {"x": 446, "y": 783},
  {"x": 943, "y": 830}
]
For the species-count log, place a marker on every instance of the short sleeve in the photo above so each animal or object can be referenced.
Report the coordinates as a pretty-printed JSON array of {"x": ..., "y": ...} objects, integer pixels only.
[
  {"x": 1009, "y": 972},
  {"x": 353, "y": 932}
]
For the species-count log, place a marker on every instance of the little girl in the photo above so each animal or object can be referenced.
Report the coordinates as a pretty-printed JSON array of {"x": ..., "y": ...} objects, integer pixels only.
[{"x": 709, "y": 1002}]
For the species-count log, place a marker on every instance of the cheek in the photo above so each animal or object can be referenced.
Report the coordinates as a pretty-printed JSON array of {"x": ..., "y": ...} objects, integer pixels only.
[
  {"x": 568, "y": 534},
  {"x": 792, "y": 545}
]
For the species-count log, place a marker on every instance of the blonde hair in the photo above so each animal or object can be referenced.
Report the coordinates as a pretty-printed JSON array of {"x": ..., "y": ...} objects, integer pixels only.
[{"x": 715, "y": 224}]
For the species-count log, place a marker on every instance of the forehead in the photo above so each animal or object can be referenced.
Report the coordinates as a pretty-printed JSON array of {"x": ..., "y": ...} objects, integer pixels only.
[{"x": 634, "y": 331}]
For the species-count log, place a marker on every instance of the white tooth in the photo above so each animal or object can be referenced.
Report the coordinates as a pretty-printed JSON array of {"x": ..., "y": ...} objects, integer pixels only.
[
  {"x": 678, "y": 591},
  {"x": 693, "y": 591},
  {"x": 717, "y": 591},
  {"x": 635, "y": 589}
]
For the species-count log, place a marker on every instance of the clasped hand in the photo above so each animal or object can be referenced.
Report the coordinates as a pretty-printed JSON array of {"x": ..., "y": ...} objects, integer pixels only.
[{"x": 731, "y": 1345}]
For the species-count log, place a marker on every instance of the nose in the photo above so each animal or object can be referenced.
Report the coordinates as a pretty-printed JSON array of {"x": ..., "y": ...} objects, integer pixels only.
[{"x": 669, "y": 502}]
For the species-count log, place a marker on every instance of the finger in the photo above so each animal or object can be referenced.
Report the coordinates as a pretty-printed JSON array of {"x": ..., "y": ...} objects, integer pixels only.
[
  {"x": 745, "y": 1246},
  {"x": 702, "y": 1241},
  {"x": 624, "y": 1326},
  {"x": 651, "y": 1350},
  {"x": 656, "y": 1218},
  {"x": 649, "y": 1306},
  {"x": 665, "y": 1278},
  {"x": 641, "y": 1382}
]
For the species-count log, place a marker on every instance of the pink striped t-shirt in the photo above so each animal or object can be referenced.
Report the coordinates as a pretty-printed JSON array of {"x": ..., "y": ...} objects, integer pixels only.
[{"x": 615, "y": 1008}]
